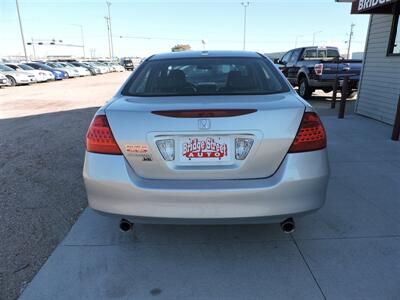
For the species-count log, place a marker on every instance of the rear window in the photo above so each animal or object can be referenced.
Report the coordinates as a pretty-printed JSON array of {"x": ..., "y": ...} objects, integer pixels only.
[
  {"x": 320, "y": 53},
  {"x": 4, "y": 68},
  {"x": 26, "y": 67},
  {"x": 206, "y": 76}
]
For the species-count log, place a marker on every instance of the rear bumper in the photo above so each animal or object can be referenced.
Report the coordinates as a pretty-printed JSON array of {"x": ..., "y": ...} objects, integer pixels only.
[
  {"x": 353, "y": 83},
  {"x": 298, "y": 187}
]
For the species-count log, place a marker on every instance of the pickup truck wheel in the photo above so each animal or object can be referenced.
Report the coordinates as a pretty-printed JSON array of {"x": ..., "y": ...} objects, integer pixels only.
[{"x": 304, "y": 89}]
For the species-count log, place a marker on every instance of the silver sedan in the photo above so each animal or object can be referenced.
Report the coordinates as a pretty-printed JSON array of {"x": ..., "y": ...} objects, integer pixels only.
[{"x": 206, "y": 137}]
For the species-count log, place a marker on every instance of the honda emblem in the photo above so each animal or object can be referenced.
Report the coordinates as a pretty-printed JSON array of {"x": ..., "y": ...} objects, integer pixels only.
[{"x": 204, "y": 124}]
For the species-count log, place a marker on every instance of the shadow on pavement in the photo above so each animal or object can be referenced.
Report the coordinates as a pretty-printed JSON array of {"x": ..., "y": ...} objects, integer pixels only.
[{"x": 41, "y": 190}]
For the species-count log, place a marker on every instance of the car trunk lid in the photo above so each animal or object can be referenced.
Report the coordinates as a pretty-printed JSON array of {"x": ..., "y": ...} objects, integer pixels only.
[{"x": 206, "y": 133}]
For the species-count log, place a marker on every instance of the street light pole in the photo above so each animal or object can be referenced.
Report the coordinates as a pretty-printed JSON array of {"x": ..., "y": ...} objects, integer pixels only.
[
  {"x": 314, "y": 34},
  {"x": 20, "y": 27},
  {"x": 245, "y": 5},
  {"x": 82, "y": 38},
  {"x": 110, "y": 29},
  {"x": 83, "y": 42}
]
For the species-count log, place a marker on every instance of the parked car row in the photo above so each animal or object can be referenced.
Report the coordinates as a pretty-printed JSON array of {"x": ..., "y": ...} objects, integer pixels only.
[{"x": 12, "y": 74}]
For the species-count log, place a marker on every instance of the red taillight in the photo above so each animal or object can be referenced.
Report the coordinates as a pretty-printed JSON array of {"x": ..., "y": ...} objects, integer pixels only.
[
  {"x": 319, "y": 69},
  {"x": 99, "y": 138},
  {"x": 310, "y": 136}
]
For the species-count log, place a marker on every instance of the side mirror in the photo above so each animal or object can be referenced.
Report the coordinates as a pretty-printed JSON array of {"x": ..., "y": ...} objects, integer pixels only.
[{"x": 277, "y": 61}]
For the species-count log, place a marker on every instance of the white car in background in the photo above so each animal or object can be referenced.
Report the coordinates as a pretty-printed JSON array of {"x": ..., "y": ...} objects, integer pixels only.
[
  {"x": 17, "y": 77},
  {"x": 40, "y": 75},
  {"x": 71, "y": 72},
  {"x": 105, "y": 65},
  {"x": 82, "y": 71},
  {"x": 3, "y": 80},
  {"x": 103, "y": 69},
  {"x": 114, "y": 66},
  {"x": 117, "y": 67}
]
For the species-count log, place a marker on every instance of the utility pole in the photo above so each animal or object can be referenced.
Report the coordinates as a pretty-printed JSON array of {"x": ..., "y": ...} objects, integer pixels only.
[
  {"x": 110, "y": 29},
  {"x": 245, "y": 5},
  {"x": 108, "y": 37},
  {"x": 92, "y": 52},
  {"x": 33, "y": 48},
  {"x": 350, "y": 37},
  {"x": 20, "y": 27}
]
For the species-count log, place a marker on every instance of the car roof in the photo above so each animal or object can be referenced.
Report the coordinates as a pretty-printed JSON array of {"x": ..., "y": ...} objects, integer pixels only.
[
  {"x": 320, "y": 47},
  {"x": 200, "y": 54}
]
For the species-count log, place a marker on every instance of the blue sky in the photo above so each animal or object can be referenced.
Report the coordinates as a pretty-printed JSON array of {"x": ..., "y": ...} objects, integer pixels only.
[{"x": 272, "y": 25}]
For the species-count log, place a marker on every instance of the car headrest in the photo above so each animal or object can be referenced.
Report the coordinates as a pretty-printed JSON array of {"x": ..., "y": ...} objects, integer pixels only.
[
  {"x": 176, "y": 79},
  {"x": 237, "y": 81}
]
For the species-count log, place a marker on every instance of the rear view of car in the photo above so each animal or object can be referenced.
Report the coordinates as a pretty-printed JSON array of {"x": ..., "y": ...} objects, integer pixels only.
[{"x": 206, "y": 137}]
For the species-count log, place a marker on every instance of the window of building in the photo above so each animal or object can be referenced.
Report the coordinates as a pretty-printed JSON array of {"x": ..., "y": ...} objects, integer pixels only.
[{"x": 394, "y": 42}]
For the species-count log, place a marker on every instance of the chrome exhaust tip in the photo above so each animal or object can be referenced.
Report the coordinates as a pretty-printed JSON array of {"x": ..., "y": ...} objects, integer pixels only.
[
  {"x": 125, "y": 225},
  {"x": 288, "y": 226}
]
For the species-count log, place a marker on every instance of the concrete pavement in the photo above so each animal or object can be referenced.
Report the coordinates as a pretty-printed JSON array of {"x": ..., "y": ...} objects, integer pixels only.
[{"x": 350, "y": 249}]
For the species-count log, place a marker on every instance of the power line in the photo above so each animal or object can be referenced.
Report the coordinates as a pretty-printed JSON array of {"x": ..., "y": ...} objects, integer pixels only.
[{"x": 215, "y": 40}]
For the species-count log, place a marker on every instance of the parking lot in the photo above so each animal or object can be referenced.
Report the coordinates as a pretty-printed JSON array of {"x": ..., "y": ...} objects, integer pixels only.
[
  {"x": 43, "y": 130},
  {"x": 348, "y": 250}
]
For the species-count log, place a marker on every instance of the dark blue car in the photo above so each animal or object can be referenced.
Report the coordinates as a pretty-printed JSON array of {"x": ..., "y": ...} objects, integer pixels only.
[{"x": 58, "y": 74}]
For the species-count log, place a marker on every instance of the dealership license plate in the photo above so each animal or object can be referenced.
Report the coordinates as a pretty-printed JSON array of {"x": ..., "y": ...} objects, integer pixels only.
[{"x": 205, "y": 149}]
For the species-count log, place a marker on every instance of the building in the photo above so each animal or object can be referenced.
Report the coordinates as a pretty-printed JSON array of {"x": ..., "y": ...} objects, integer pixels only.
[{"x": 379, "y": 86}]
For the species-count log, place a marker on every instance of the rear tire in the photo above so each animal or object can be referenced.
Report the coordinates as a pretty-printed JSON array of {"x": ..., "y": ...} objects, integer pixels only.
[
  {"x": 12, "y": 81},
  {"x": 305, "y": 91}
]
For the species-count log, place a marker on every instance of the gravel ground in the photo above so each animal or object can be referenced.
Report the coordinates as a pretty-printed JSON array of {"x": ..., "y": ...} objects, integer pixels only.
[{"x": 41, "y": 155}]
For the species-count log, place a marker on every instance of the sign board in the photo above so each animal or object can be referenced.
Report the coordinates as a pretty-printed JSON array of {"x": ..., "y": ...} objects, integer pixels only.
[{"x": 373, "y": 6}]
